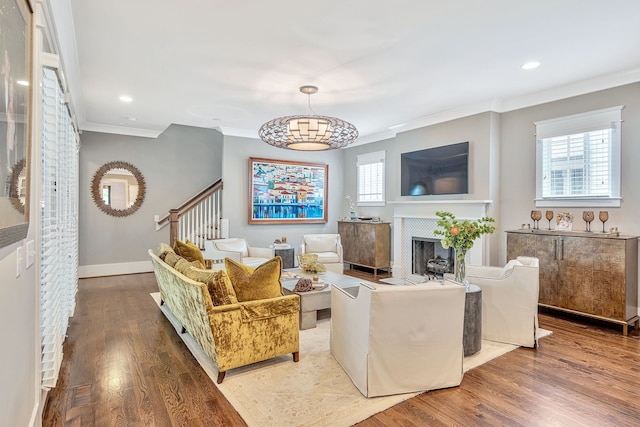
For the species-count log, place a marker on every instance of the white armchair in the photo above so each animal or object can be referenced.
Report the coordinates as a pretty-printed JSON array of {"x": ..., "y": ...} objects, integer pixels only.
[
  {"x": 238, "y": 250},
  {"x": 509, "y": 300},
  {"x": 399, "y": 339},
  {"x": 328, "y": 247}
]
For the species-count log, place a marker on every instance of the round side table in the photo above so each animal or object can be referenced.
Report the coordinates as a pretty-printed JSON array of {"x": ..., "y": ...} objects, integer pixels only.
[{"x": 472, "y": 336}]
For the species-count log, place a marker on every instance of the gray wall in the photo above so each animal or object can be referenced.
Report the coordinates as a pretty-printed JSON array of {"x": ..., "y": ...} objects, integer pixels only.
[
  {"x": 517, "y": 166},
  {"x": 503, "y": 161},
  {"x": 177, "y": 165},
  {"x": 237, "y": 152},
  {"x": 480, "y": 130}
]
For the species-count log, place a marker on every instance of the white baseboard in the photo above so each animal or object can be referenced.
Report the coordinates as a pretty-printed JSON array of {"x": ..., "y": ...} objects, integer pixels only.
[{"x": 98, "y": 270}]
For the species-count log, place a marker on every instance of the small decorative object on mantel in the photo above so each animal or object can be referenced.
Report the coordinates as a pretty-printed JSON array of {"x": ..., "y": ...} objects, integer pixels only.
[
  {"x": 564, "y": 221},
  {"x": 588, "y": 216},
  {"x": 460, "y": 235}
]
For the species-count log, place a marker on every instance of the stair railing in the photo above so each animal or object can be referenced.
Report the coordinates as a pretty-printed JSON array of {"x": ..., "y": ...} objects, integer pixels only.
[{"x": 198, "y": 219}]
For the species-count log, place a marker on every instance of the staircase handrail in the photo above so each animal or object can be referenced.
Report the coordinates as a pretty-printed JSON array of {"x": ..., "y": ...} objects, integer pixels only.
[{"x": 186, "y": 206}]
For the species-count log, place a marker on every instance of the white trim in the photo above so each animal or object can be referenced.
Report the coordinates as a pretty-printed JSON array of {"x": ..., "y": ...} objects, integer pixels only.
[
  {"x": 121, "y": 130},
  {"x": 98, "y": 270},
  {"x": 606, "y": 118},
  {"x": 582, "y": 122}
]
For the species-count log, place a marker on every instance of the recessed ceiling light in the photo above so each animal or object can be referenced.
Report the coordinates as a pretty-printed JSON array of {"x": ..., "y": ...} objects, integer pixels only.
[
  {"x": 530, "y": 65},
  {"x": 125, "y": 98},
  {"x": 22, "y": 82}
]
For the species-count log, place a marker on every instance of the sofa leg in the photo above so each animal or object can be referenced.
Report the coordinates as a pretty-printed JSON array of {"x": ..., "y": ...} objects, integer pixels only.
[
  {"x": 183, "y": 330},
  {"x": 161, "y": 301},
  {"x": 221, "y": 377},
  {"x": 296, "y": 356}
]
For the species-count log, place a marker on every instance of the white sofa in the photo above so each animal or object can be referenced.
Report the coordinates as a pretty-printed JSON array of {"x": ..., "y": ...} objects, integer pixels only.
[
  {"x": 238, "y": 250},
  {"x": 509, "y": 300},
  {"x": 399, "y": 339},
  {"x": 328, "y": 247}
]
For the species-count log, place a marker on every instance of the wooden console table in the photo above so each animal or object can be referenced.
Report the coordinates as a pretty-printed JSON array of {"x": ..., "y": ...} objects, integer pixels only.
[
  {"x": 586, "y": 273},
  {"x": 366, "y": 244}
]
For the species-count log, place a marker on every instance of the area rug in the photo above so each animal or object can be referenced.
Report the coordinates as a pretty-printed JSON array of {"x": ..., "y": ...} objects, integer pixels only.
[{"x": 313, "y": 392}]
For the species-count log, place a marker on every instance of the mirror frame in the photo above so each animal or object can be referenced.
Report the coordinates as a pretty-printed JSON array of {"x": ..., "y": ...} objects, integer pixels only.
[
  {"x": 14, "y": 187},
  {"x": 97, "y": 196}
]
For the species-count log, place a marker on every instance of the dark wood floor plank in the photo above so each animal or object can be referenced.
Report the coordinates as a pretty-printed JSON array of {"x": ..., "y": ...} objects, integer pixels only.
[{"x": 125, "y": 364}]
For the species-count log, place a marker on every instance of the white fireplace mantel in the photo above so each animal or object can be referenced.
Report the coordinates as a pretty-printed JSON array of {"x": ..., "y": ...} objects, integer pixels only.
[
  {"x": 418, "y": 218},
  {"x": 464, "y": 209}
]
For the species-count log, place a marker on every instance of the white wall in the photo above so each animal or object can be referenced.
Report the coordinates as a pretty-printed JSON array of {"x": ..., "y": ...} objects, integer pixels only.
[{"x": 235, "y": 165}]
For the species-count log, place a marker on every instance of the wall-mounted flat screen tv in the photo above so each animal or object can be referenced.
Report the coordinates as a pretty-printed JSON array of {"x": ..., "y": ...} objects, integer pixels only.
[{"x": 435, "y": 171}]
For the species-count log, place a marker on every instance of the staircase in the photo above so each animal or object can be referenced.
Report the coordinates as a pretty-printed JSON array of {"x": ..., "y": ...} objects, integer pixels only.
[{"x": 198, "y": 219}]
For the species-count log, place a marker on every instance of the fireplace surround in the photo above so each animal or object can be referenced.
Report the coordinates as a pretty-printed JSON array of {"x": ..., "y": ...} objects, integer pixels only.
[{"x": 417, "y": 219}]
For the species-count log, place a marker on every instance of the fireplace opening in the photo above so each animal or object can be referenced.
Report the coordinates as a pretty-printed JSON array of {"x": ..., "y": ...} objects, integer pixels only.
[{"x": 429, "y": 258}]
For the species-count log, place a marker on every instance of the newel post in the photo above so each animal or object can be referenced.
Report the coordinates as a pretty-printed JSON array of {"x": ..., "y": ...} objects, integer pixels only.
[{"x": 173, "y": 226}]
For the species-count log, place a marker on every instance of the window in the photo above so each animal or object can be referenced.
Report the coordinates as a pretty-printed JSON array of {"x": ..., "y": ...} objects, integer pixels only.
[
  {"x": 578, "y": 160},
  {"x": 371, "y": 179}
]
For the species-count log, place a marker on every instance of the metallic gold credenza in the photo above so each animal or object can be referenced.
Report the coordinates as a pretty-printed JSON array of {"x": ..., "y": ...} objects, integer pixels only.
[
  {"x": 587, "y": 273},
  {"x": 367, "y": 244}
]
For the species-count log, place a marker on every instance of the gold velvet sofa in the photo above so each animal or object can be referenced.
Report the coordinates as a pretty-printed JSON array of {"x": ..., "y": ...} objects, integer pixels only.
[{"x": 235, "y": 334}]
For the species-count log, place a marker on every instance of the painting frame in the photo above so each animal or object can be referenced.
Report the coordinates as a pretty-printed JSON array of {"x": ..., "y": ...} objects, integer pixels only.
[
  {"x": 16, "y": 92},
  {"x": 287, "y": 192}
]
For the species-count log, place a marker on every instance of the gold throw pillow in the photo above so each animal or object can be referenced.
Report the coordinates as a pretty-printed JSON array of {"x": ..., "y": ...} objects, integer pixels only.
[
  {"x": 183, "y": 265},
  {"x": 172, "y": 258},
  {"x": 188, "y": 251},
  {"x": 217, "y": 282},
  {"x": 253, "y": 284}
]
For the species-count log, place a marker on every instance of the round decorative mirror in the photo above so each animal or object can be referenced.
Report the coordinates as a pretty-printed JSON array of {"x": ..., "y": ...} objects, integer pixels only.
[
  {"x": 18, "y": 186},
  {"x": 118, "y": 188}
]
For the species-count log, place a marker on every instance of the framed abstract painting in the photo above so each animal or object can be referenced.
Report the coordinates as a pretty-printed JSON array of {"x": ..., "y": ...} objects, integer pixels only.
[{"x": 287, "y": 192}]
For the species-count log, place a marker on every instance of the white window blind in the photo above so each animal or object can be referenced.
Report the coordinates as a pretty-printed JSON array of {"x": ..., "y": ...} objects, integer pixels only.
[
  {"x": 370, "y": 176},
  {"x": 578, "y": 160},
  {"x": 58, "y": 225}
]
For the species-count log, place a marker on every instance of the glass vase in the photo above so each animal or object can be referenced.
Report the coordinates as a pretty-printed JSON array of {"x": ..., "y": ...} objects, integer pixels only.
[{"x": 460, "y": 271}]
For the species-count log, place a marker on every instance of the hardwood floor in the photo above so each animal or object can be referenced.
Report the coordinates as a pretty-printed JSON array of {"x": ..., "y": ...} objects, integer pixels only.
[{"x": 125, "y": 365}]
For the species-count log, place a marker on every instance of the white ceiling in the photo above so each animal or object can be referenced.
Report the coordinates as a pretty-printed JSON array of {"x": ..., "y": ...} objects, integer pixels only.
[{"x": 234, "y": 65}]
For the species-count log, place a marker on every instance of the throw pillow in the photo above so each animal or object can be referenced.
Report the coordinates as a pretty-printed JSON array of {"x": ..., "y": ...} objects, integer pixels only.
[
  {"x": 163, "y": 248},
  {"x": 188, "y": 251},
  {"x": 172, "y": 258},
  {"x": 217, "y": 282},
  {"x": 183, "y": 265},
  {"x": 259, "y": 283}
]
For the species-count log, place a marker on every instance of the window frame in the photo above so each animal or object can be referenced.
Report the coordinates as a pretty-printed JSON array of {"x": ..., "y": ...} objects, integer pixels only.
[
  {"x": 607, "y": 118},
  {"x": 376, "y": 157}
]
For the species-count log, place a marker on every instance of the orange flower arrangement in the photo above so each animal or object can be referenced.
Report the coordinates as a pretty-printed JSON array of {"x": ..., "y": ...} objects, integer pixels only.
[{"x": 460, "y": 235}]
